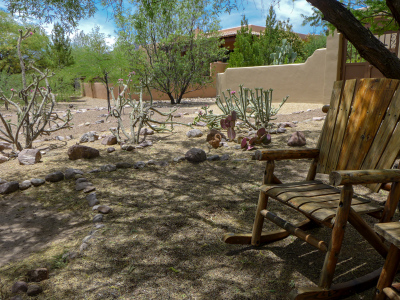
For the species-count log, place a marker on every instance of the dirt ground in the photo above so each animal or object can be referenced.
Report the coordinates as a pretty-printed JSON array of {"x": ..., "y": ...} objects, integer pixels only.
[{"x": 163, "y": 239}]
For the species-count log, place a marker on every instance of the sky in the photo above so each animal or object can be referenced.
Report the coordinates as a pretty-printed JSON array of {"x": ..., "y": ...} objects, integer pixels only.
[{"x": 255, "y": 11}]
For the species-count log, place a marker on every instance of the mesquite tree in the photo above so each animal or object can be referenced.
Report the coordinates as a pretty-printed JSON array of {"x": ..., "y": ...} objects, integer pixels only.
[{"x": 34, "y": 104}]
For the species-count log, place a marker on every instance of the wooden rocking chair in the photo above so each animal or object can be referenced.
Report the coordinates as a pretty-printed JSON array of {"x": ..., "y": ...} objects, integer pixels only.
[{"x": 359, "y": 143}]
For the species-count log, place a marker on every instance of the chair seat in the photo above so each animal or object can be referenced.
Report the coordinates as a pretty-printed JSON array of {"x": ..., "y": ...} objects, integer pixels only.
[
  {"x": 316, "y": 199},
  {"x": 390, "y": 231}
]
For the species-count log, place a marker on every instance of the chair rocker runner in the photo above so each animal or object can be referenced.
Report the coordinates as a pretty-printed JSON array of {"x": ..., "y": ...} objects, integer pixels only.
[{"x": 359, "y": 143}]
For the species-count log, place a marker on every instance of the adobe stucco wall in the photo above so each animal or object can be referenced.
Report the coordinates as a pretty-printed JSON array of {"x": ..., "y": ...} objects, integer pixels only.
[
  {"x": 309, "y": 82},
  {"x": 98, "y": 89}
]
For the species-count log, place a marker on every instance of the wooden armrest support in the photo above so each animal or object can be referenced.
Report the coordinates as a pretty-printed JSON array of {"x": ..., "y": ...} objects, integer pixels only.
[
  {"x": 281, "y": 154},
  {"x": 363, "y": 176}
]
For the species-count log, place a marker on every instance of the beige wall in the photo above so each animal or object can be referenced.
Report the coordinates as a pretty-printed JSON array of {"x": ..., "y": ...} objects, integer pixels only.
[
  {"x": 98, "y": 90},
  {"x": 309, "y": 82}
]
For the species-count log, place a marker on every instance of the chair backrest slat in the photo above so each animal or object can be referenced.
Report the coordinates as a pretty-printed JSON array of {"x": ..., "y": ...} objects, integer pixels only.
[
  {"x": 325, "y": 139},
  {"x": 360, "y": 130}
]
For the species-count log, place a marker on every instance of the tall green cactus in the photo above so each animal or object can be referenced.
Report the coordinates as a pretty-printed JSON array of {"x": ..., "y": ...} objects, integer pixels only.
[
  {"x": 283, "y": 54},
  {"x": 254, "y": 108}
]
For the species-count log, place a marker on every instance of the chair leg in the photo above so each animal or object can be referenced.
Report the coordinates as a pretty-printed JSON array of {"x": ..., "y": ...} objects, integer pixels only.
[
  {"x": 388, "y": 272},
  {"x": 335, "y": 244},
  {"x": 262, "y": 204}
]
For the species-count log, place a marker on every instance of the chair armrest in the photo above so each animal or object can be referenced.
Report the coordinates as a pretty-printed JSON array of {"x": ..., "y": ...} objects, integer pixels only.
[
  {"x": 363, "y": 176},
  {"x": 281, "y": 154}
]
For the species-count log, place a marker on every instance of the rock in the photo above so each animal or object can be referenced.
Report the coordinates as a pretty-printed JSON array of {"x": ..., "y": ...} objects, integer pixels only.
[
  {"x": 146, "y": 131},
  {"x": 139, "y": 165},
  {"x": 78, "y": 151},
  {"x": 89, "y": 189},
  {"x": 2, "y": 181},
  {"x": 24, "y": 185},
  {"x": 297, "y": 139},
  {"x": 145, "y": 144},
  {"x": 286, "y": 124},
  {"x": 179, "y": 158},
  {"x": 38, "y": 275},
  {"x": 237, "y": 147},
  {"x": 34, "y": 290},
  {"x": 37, "y": 181},
  {"x": 104, "y": 209},
  {"x": 69, "y": 137},
  {"x": 16, "y": 298},
  {"x": 5, "y": 146},
  {"x": 225, "y": 157},
  {"x": 3, "y": 159},
  {"x": 92, "y": 200},
  {"x": 82, "y": 185},
  {"x": 87, "y": 124},
  {"x": 196, "y": 155},
  {"x": 99, "y": 122},
  {"x": 281, "y": 130},
  {"x": 83, "y": 247},
  {"x": 109, "y": 140},
  {"x": 19, "y": 287},
  {"x": 201, "y": 123},
  {"x": 55, "y": 177},
  {"x": 127, "y": 147},
  {"x": 90, "y": 136},
  {"x": 318, "y": 118},
  {"x": 59, "y": 138},
  {"x": 94, "y": 171},
  {"x": 70, "y": 173},
  {"x": 108, "y": 168},
  {"x": 194, "y": 133},
  {"x": 82, "y": 179},
  {"x": 110, "y": 150},
  {"x": 29, "y": 156},
  {"x": 9, "y": 187},
  {"x": 123, "y": 165},
  {"x": 98, "y": 218},
  {"x": 298, "y": 112},
  {"x": 213, "y": 157}
]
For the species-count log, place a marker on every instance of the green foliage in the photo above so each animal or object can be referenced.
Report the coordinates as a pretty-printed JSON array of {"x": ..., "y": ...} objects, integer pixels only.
[
  {"x": 312, "y": 43},
  {"x": 283, "y": 54},
  {"x": 254, "y": 50},
  {"x": 177, "y": 42},
  {"x": 33, "y": 50},
  {"x": 60, "y": 51}
]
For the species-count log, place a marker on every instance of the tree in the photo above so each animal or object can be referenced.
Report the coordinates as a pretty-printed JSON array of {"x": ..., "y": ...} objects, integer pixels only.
[
  {"x": 60, "y": 50},
  {"x": 253, "y": 50},
  {"x": 178, "y": 41},
  {"x": 312, "y": 43},
  {"x": 32, "y": 50}
]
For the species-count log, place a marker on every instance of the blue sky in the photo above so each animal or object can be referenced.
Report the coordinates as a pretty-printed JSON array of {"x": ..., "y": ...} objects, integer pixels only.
[{"x": 255, "y": 11}]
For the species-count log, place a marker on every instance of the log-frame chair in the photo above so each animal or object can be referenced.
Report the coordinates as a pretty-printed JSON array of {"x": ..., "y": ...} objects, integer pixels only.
[{"x": 359, "y": 143}]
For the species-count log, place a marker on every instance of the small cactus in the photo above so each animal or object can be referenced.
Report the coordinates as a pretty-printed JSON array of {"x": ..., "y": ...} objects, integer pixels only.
[
  {"x": 262, "y": 137},
  {"x": 229, "y": 124}
]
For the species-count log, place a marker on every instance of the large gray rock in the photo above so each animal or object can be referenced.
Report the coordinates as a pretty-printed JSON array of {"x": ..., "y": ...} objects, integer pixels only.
[
  {"x": 90, "y": 136},
  {"x": 92, "y": 199},
  {"x": 38, "y": 274},
  {"x": 297, "y": 139},
  {"x": 79, "y": 151},
  {"x": 37, "y": 181},
  {"x": 9, "y": 187},
  {"x": 109, "y": 140},
  {"x": 146, "y": 131},
  {"x": 196, "y": 155},
  {"x": 19, "y": 286},
  {"x": 34, "y": 290},
  {"x": 108, "y": 168},
  {"x": 29, "y": 156},
  {"x": 55, "y": 177},
  {"x": 194, "y": 133}
]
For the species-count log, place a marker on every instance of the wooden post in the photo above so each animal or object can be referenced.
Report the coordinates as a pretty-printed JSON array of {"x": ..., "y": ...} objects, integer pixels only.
[
  {"x": 335, "y": 244},
  {"x": 262, "y": 204},
  {"x": 391, "y": 203},
  {"x": 313, "y": 170},
  {"x": 388, "y": 272}
]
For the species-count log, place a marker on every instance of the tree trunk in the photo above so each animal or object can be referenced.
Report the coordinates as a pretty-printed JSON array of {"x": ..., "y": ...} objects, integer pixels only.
[
  {"x": 171, "y": 97},
  {"x": 369, "y": 47}
]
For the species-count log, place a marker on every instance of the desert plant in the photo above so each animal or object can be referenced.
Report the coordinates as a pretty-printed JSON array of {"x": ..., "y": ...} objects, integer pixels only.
[
  {"x": 34, "y": 103},
  {"x": 140, "y": 115},
  {"x": 250, "y": 105},
  {"x": 262, "y": 137},
  {"x": 283, "y": 54},
  {"x": 229, "y": 124}
]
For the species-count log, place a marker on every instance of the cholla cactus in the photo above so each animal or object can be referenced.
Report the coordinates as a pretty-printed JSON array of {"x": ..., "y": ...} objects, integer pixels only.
[
  {"x": 36, "y": 116},
  {"x": 250, "y": 106}
]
